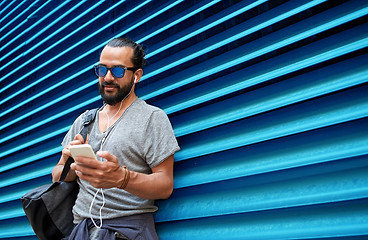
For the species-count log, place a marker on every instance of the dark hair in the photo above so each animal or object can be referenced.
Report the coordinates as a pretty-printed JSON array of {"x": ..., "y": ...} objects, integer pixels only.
[{"x": 139, "y": 54}]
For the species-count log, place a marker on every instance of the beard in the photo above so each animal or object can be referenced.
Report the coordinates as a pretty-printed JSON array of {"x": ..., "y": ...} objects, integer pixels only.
[{"x": 122, "y": 93}]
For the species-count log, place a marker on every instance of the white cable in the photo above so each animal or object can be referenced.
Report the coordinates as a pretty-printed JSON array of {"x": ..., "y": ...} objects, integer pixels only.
[
  {"x": 103, "y": 196},
  {"x": 108, "y": 118},
  {"x": 90, "y": 208}
]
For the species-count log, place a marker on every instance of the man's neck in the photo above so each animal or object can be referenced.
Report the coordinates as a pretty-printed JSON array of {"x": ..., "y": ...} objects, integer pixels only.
[{"x": 112, "y": 109}]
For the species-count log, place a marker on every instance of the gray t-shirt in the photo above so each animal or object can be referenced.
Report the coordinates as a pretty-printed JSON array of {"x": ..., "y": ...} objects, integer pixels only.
[{"x": 141, "y": 139}]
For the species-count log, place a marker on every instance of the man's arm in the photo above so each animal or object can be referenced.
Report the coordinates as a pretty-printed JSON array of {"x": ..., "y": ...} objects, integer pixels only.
[
  {"x": 157, "y": 185},
  {"x": 56, "y": 172}
]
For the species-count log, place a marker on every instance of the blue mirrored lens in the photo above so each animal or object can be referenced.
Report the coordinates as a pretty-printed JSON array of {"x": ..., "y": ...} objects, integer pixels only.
[
  {"x": 118, "y": 72},
  {"x": 101, "y": 71}
]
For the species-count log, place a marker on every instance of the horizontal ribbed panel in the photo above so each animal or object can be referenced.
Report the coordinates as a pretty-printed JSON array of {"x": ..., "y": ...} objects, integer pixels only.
[{"x": 268, "y": 100}]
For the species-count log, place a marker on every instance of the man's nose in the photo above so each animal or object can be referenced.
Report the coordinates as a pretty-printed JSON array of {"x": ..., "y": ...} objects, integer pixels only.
[{"x": 109, "y": 75}]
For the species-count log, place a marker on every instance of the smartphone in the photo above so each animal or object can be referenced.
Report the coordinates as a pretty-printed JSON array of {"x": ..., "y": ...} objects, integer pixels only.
[{"x": 84, "y": 150}]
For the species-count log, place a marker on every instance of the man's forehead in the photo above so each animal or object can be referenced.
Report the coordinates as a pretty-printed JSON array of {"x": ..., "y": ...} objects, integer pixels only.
[{"x": 123, "y": 54}]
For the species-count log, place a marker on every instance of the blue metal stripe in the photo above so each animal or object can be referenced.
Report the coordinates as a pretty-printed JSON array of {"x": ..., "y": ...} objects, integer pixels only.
[
  {"x": 196, "y": 32},
  {"x": 14, "y": 18},
  {"x": 52, "y": 46},
  {"x": 2, "y": 9},
  {"x": 35, "y": 173},
  {"x": 284, "y": 100},
  {"x": 33, "y": 158},
  {"x": 16, "y": 195},
  {"x": 42, "y": 31},
  {"x": 215, "y": 23},
  {"x": 60, "y": 54},
  {"x": 278, "y": 45},
  {"x": 274, "y": 144},
  {"x": 325, "y": 119},
  {"x": 278, "y": 72},
  {"x": 339, "y": 84},
  {"x": 125, "y": 31},
  {"x": 11, "y": 196},
  {"x": 25, "y": 21},
  {"x": 6, "y": 8},
  {"x": 80, "y": 57},
  {"x": 234, "y": 37},
  {"x": 272, "y": 161},
  {"x": 35, "y": 141},
  {"x": 84, "y": 70},
  {"x": 270, "y": 48},
  {"x": 65, "y": 96},
  {"x": 244, "y": 198},
  {"x": 16, "y": 230},
  {"x": 310, "y": 222},
  {"x": 11, "y": 213},
  {"x": 54, "y": 133},
  {"x": 313, "y": 122},
  {"x": 33, "y": 25},
  {"x": 79, "y": 73},
  {"x": 173, "y": 23}
]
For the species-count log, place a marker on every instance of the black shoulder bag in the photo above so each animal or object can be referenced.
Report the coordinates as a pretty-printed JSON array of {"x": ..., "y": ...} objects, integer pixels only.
[{"x": 49, "y": 207}]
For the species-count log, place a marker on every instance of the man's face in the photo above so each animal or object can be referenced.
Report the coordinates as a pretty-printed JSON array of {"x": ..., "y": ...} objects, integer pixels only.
[{"x": 113, "y": 90}]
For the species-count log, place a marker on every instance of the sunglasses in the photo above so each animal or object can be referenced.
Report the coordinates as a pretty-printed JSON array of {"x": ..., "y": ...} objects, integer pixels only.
[{"x": 117, "y": 71}]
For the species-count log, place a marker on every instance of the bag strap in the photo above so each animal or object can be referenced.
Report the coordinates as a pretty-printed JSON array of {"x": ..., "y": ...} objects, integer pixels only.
[{"x": 88, "y": 118}]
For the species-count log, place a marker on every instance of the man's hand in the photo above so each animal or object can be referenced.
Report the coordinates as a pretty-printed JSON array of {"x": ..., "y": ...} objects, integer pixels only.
[
  {"x": 106, "y": 174},
  {"x": 65, "y": 154},
  {"x": 78, "y": 139},
  {"x": 109, "y": 174}
]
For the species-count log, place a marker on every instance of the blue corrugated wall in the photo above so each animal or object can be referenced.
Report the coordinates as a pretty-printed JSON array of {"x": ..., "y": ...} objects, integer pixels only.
[{"x": 268, "y": 99}]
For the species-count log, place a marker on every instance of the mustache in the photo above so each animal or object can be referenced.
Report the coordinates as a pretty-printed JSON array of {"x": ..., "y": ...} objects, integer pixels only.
[{"x": 110, "y": 84}]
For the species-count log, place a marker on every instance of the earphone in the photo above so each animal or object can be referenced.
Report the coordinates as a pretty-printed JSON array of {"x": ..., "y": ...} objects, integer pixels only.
[{"x": 135, "y": 79}]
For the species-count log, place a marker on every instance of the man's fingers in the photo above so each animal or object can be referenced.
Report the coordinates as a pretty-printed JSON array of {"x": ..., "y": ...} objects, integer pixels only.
[
  {"x": 78, "y": 139},
  {"x": 66, "y": 151},
  {"x": 88, "y": 162},
  {"x": 108, "y": 156},
  {"x": 83, "y": 168}
]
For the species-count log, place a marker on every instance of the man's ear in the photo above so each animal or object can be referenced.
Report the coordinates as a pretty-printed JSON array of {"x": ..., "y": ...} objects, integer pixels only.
[{"x": 137, "y": 75}]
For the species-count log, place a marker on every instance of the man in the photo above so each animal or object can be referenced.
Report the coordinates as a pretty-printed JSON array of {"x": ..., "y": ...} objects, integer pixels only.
[{"x": 135, "y": 146}]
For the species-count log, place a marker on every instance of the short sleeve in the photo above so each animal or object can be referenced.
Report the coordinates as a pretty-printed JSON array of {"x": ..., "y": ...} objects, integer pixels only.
[{"x": 160, "y": 141}]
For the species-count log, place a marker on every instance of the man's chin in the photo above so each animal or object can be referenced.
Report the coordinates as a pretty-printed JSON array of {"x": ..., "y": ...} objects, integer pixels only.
[
  {"x": 110, "y": 102},
  {"x": 109, "y": 94}
]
